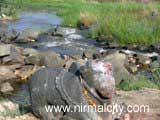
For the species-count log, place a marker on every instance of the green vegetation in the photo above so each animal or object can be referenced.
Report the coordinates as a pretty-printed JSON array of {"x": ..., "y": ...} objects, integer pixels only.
[
  {"x": 136, "y": 83},
  {"x": 23, "y": 108},
  {"x": 11, "y": 113},
  {"x": 7, "y": 10},
  {"x": 121, "y": 22},
  {"x": 156, "y": 77}
]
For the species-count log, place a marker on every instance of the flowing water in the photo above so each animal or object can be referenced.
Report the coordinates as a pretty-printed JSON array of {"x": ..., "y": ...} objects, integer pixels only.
[
  {"x": 36, "y": 21},
  {"x": 43, "y": 21}
]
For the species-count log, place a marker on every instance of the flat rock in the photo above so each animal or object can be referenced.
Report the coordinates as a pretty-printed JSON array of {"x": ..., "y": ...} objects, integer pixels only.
[
  {"x": 65, "y": 30},
  {"x": 6, "y": 74},
  {"x": 5, "y": 50},
  {"x": 30, "y": 52},
  {"x": 14, "y": 57},
  {"x": 6, "y": 87},
  {"x": 51, "y": 59},
  {"x": 74, "y": 37},
  {"x": 27, "y": 35}
]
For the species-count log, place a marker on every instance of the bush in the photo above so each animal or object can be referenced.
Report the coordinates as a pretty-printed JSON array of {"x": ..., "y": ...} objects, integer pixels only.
[{"x": 86, "y": 19}]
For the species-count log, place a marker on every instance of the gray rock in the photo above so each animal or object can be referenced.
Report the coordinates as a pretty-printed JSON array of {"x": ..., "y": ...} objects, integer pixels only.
[
  {"x": 75, "y": 67},
  {"x": 65, "y": 30},
  {"x": 144, "y": 60},
  {"x": 6, "y": 74},
  {"x": 51, "y": 59},
  {"x": 30, "y": 52},
  {"x": 7, "y": 36},
  {"x": 74, "y": 37},
  {"x": 156, "y": 47},
  {"x": 46, "y": 58},
  {"x": 88, "y": 54},
  {"x": 48, "y": 38},
  {"x": 32, "y": 56},
  {"x": 5, "y": 50},
  {"x": 118, "y": 60},
  {"x": 6, "y": 87},
  {"x": 27, "y": 35},
  {"x": 33, "y": 60},
  {"x": 14, "y": 57}
]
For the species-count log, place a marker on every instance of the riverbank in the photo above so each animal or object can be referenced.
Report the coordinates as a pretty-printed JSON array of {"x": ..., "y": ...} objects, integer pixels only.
[
  {"x": 136, "y": 71},
  {"x": 117, "y": 22}
]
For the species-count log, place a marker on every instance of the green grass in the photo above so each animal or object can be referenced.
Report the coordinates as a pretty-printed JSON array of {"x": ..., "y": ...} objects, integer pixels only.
[
  {"x": 10, "y": 113},
  {"x": 137, "y": 84},
  {"x": 156, "y": 77},
  {"x": 124, "y": 22},
  {"x": 23, "y": 109}
]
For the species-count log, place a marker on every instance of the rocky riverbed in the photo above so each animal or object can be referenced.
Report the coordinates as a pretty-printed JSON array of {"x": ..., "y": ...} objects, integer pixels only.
[{"x": 24, "y": 50}]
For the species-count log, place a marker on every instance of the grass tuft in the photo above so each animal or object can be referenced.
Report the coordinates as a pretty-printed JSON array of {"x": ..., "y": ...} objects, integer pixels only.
[{"x": 86, "y": 19}]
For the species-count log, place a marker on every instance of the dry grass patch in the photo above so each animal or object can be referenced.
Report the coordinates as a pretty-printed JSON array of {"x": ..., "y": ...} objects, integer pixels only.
[{"x": 86, "y": 19}]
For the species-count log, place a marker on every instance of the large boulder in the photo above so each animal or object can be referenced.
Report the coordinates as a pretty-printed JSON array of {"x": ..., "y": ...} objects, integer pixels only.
[
  {"x": 6, "y": 74},
  {"x": 30, "y": 52},
  {"x": 45, "y": 58},
  {"x": 14, "y": 57},
  {"x": 51, "y": 59},
  {"x": 118, "y": 60},
  {"x": 32, "y": 56},
  {"x": 7, "y": 36},
  {"x": 6, "y": 87},
  {"x": 27, "y": 35},
  {"x": 5, "y": 50}
]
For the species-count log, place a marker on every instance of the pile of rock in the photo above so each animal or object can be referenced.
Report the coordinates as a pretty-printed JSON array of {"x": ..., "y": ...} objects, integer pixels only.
[
  {"x": 125, "y": 62},
  {"x": 12, "y": 36},
  {"x": 17, "y": 64}
]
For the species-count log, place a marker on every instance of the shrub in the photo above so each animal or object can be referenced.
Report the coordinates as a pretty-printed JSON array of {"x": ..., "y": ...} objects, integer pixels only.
[{"x": 86, "y": 19}]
